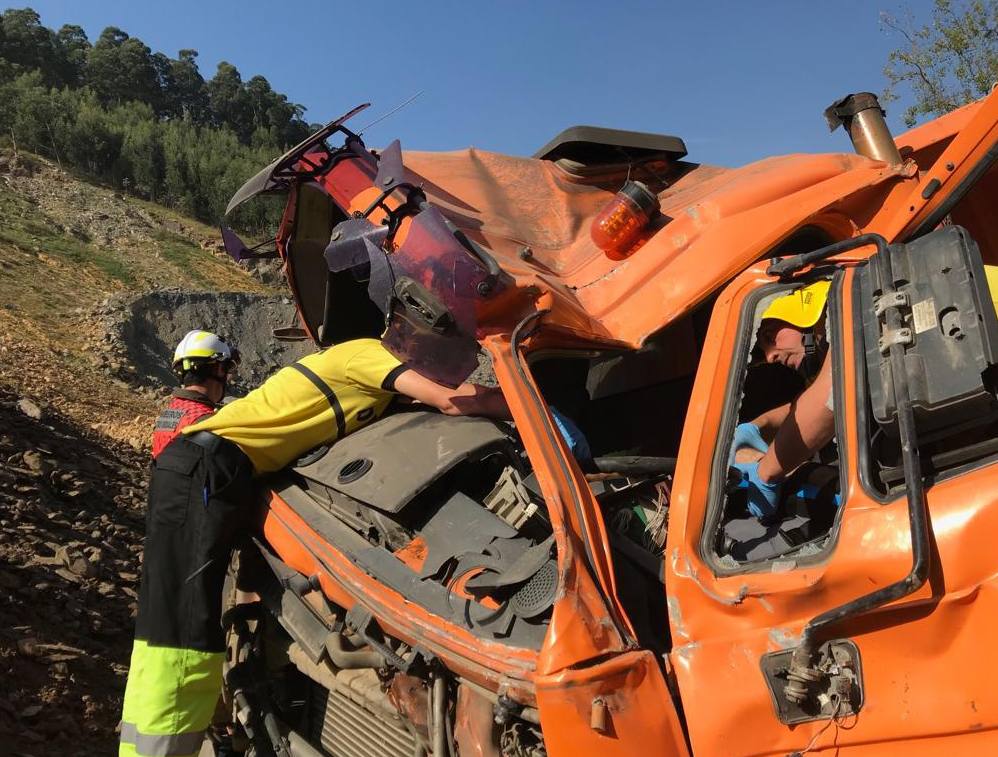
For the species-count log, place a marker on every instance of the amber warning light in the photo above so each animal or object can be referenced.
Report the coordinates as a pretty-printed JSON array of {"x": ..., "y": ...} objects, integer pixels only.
[{"x": 616, "y": 228}]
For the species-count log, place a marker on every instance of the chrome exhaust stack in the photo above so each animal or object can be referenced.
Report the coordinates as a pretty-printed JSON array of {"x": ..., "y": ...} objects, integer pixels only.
[{"x": 862, "y": 117}]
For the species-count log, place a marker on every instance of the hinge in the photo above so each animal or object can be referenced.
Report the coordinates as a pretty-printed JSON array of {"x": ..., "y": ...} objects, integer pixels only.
[
  {"x": 890, "y": 300},
  {"x": 891, "y": 337}
]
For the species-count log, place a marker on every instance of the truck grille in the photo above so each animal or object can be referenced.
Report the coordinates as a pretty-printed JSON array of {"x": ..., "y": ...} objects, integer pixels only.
[{"x": 356, "y": 720}]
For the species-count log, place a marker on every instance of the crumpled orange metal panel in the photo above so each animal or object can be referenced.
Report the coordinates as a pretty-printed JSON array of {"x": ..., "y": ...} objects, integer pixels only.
[
  {"x": 617, "y": 707},
  {"x": 714, "y": 223},
  {"x": 709, "y": 243},
  {"x": 301, "y": 547},
  {"x": 587, "y": 620}
]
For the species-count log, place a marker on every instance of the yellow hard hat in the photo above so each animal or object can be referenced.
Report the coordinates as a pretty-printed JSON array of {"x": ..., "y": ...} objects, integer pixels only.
[
  {"x": 991, "y": 272},
  {"x": 802, "y": 307}
]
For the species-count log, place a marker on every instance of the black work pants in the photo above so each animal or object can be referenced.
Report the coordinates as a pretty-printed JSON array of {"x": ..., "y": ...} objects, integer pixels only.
[
  {"x": 200, "y": 499},
  {"x": 199, "y": 503}
]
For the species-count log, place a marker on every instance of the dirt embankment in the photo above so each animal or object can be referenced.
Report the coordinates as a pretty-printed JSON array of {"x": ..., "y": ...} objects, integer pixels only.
[
  {"x": 67, "y": 249},
  {"x": 137, "y": 334},
  {"x": 95, "y": 291}
]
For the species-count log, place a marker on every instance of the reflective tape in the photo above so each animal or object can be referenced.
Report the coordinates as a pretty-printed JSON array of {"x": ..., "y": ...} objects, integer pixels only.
[
  {"x": 161, "y": 745},
  {"x": 170, "y": 698},
  {"x": 168, "y": 419}
]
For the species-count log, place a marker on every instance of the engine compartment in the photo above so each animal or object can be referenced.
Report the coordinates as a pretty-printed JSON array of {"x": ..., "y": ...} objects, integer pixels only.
[
  {"x": 450, "y": 525},
  {"x": 460, "y": 527}
]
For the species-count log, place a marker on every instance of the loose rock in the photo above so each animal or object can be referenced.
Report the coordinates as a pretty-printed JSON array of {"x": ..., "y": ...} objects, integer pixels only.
[
  {"x": 33, "y": 461},
  {"x": 29, "y": 408}
]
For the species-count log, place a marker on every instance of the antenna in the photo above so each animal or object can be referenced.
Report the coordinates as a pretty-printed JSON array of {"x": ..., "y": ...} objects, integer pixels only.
[{"x": 391, "y": 112}]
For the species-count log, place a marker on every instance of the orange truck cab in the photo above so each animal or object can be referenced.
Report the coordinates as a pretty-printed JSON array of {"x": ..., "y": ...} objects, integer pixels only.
[{"x": 437, "y": 585}]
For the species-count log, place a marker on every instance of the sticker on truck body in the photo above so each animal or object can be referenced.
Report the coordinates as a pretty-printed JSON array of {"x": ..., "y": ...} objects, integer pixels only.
[{"x": 923, "y": 315}]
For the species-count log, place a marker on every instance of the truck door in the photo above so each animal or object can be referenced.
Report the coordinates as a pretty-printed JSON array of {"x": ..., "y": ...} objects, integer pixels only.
[{"x": 740, "y": 592}]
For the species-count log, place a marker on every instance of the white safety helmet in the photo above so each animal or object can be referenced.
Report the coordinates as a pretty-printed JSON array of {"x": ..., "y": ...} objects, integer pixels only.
[{"x": 199, "y": 347}]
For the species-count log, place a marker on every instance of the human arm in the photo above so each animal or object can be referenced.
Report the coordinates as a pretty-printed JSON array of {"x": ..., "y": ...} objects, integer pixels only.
[
  {"x": 757, "y": 434},
  {"x": 770, "y": 421},
  {"x": 374, "y": 367},
  {"x": 809, "y": 426},
  {"x": 466, "y": 399}
]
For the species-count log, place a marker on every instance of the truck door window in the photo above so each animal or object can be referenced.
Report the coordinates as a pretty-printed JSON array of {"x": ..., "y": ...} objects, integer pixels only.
[{"x": 777, "y": 361}]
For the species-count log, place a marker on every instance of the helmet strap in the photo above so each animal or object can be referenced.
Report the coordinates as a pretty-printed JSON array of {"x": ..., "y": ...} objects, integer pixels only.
[
  {"x": 813, "y": 354},
  {"x": 810, "y": 347},
  {"x": 224, "y": 381}
]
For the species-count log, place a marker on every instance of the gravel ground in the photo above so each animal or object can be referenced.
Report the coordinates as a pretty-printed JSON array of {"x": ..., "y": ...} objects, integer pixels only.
[{"x": 71, "y": 524}]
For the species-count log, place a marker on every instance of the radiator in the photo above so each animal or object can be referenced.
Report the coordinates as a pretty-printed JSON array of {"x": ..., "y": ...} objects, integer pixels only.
[{"x": 356, "y": 719}]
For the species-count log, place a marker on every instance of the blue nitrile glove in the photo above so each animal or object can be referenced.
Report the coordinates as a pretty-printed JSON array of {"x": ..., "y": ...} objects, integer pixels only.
[
  {"x": 809, "y": 492},
  {"x": 763, "y": 498},
  {"x": 746, "y": 435},
  {"x": 572, "y": 435}
]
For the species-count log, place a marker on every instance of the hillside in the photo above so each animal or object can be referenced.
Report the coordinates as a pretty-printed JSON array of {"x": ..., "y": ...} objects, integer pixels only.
[
  {"x": 65, "y": 247},
  {"x": 94, "y": 289}
]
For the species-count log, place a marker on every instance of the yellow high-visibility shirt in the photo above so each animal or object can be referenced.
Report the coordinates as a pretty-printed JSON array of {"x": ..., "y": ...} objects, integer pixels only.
[{"x": 315, "y": 401}]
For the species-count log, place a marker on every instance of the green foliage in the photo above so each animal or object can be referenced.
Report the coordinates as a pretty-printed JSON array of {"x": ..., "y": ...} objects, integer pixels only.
[
  {"x": 140, "y": 120},
  {"x": 29, "y": 46},
  {"x": 187, "y": 96},
  {"x": 120, "y": 68},
  {"x": 94, "y": 140},
  {"x": 75, "y": 50},
  {"x": 947, "y": 63}
]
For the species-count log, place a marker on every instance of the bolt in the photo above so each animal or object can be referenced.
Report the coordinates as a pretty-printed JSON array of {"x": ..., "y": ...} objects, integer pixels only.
[
  {"x": 387, "y": 180},
  {"x": 598, "y": 715},
  {"x": 526, "y": 253},
  {"x": 503, "y": 709}
]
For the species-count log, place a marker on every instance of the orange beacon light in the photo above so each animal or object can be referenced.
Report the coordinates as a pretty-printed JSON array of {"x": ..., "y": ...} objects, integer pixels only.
[{"x": 616, "y": 228}]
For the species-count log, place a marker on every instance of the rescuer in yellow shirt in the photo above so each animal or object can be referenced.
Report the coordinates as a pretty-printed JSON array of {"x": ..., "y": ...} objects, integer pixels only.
[{"x": 199, "y": 497}]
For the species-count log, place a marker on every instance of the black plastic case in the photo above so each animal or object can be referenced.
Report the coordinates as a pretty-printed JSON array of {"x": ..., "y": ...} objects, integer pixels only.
[{"x": 950, "y": 321}]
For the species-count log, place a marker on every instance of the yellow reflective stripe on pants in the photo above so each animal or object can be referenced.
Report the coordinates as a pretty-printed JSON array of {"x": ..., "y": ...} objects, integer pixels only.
[{"x": 169, "y": 700}]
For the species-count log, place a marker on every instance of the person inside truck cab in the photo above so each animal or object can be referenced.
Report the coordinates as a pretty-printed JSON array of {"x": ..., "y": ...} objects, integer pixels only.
[
  {"x": 791, "y": 333},
  {"x": 201, "y": 498}
]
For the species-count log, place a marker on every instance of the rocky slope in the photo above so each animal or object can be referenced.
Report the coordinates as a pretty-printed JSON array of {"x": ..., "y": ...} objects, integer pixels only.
[
  {"x": 95, "y": 288},
  {"x": 71, "y": 515},
  {"x": 67, "y": 250}
]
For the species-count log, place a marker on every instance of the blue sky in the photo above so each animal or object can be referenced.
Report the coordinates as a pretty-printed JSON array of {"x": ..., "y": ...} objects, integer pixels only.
[{"x": 737, "y": 80}]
